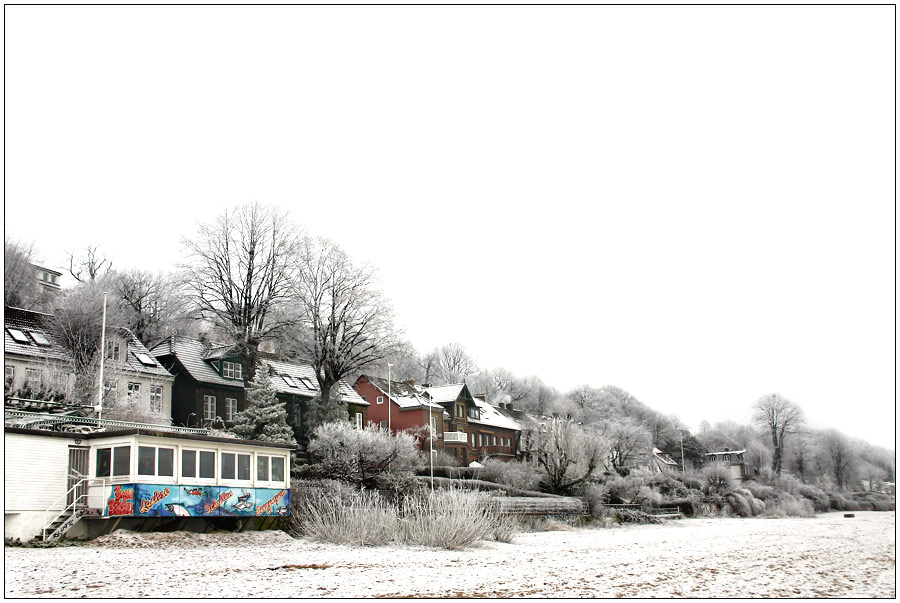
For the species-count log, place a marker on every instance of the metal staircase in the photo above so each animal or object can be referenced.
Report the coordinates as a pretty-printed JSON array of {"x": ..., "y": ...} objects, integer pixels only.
[{"x": 62, "y": 521}]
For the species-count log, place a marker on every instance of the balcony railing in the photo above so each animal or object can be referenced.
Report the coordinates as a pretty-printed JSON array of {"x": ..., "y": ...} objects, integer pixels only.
[
  {"x": 507, "y": 450},
  {"x": 455, "y": 436},
  {"x": 51, "y": 422}
]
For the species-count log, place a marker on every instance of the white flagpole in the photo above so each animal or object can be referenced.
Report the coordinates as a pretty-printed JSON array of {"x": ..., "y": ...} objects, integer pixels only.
[{"x": 99, "y": 408}]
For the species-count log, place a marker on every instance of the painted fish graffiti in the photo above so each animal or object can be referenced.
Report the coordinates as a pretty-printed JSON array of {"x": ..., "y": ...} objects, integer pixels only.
[
  {"x": 242, "y": 505},
  {"x": 178, "y": 510},
  {"x": 245, "y": 496},
  {"x": 281, "y": 510},
  {"x": 194, "y": 492}
]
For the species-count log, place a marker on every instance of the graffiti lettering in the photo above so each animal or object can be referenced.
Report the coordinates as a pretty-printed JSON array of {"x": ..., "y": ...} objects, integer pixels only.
[
  {"x": 266, "y": 507},
  {"x": 216, "y": 504},
  {"x": 122, "y": 502},
  {"x": 158, "y": 495}
]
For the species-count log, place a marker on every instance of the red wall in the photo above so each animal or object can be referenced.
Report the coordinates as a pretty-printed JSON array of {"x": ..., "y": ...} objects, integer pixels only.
[{"x": 400, "y": 419}]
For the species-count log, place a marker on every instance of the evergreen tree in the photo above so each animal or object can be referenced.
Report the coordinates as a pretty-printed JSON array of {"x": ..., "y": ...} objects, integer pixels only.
[{"x": 265, "y": 418}]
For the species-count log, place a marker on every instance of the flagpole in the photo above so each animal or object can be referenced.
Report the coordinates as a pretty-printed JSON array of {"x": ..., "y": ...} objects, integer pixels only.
[{"x": 99, "y": 408}]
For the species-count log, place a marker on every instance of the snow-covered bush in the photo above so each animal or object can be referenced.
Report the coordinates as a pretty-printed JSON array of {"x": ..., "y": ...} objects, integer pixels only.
[
  {"x": 716, "y": 479},
  {"x": 451, "y": 519},
  {"x": 338, "y": 513},
  {"x": 370, "y": 457},
  {"x": 510, "y": 473},
  {"x": 265, "y": 417},
  {"x": 131, "y": 408}
]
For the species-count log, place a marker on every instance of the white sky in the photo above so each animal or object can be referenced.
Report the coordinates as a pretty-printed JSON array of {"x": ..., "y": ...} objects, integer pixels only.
[{"x": 693, "y": 203}]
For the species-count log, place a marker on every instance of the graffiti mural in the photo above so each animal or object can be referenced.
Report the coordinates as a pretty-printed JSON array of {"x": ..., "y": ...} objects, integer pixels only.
[{"x": 167, "y": 500}]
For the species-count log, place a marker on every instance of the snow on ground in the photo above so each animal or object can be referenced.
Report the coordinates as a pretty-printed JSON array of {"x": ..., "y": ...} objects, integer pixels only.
[{"x": 825, "y": 556}]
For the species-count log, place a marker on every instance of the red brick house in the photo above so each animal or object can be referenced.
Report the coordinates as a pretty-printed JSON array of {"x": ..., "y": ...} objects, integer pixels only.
[{"x": 466, "y": 427}]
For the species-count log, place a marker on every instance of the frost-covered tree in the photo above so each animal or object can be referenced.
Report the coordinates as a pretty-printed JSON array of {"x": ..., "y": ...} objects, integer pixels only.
[{"x": 265, "y": 417}]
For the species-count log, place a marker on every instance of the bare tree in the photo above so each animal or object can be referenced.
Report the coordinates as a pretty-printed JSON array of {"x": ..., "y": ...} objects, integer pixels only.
[
  {"x": 241, "y": 267},
  {"x": 90, "y": 267},
  {"x": 628, "y": 444},
  {"x": 454, "y": 363},
  {"x": 566, "y": 454},
  {"x": 347, "y": 322},
  {"x": 20, "y": 285},
  {"x": 780, "y": 417},
  {"x": 153, "y": 304}
]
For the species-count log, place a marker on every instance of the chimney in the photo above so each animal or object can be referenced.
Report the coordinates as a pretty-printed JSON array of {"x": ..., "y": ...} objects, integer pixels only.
[
  {"x": 426, "y": 385},
  {"x": 509, "y": 406},
  {"x": 409, "y": 382}
]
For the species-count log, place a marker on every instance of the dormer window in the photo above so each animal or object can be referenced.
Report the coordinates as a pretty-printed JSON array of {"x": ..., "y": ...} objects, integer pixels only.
[
  {"x": 112, "y": 349},
  {"x": 231, "y": 370},
  {"x": 474, "y": 413}
]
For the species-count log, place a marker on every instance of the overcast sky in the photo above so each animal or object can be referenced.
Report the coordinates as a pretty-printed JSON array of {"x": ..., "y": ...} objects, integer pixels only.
[{"x": 693, "y": 203}]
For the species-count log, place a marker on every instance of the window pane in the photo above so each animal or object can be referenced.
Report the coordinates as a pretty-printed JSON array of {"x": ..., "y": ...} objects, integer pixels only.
[
  {"x": 207, "y": 464},
  {"x": 277, "y": 469},
  {"x": 122, "y": 460},
  {"x": 104, "y": 462},
  {"x": 146, "y": 460},
  {"x": 243, "y": 466},
  {"x": 188, "y": 463},
  {"x": 166, "y": 462},
  {"x": 262, "y": 468},
  {"x": 227, "y": 465}
]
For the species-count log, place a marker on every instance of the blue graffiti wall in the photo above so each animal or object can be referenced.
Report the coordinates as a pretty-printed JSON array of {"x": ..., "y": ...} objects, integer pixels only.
[{"x": 168, "y": 500}]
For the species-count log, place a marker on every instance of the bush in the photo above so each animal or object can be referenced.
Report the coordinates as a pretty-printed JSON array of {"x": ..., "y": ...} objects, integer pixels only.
[
  {"x": 716, "y": 479},
  {"x": 596, "y": 496},
  {"x": 786, "y": 504},
  {"x": 335, "y": 512},
  {"x": 510, "y": 473},
  {"x": 820, "y": 501},
  {"x": 451, "y": 519},
  {"x": 370, "y": 457}
]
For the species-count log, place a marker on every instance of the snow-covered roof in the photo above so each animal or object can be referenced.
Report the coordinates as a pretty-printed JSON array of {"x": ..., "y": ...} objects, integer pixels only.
[
  {"x": 404, "y": 395},
  {"x": 190, "y": 353},
  {"x": 303, "y": 377},
  {"x": 445, "y": 393},
  {"x": 742, "y": 451},
  {"x": 492, "y": 416}
]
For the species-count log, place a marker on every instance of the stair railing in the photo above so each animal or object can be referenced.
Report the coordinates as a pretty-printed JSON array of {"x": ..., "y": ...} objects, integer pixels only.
[{"x": 75, "y": 506}]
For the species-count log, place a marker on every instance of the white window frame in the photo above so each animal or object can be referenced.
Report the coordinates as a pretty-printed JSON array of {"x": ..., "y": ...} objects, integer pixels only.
[
  {"x": 382, "y": 425},
  {"x": 267, "y": 481},
  {"x": 235, "y": 479},
  {"x": 9, "y": 373},
  {"x": 156, "y": 475},
  {"x": 197, "y": 479},
  {"x": 207, "y": 398},
  {"x": 156, "y": 396},
  {"x": 112, "y": 350},
  {"x": 232, "y": 370},
  {"x": 379, "y": 400},
  {"x": 30, "y": 377},
  {"x": 230, "y": 409},
  {"x": 359, "y": 421},
  {"x": 134, "y": 389}
]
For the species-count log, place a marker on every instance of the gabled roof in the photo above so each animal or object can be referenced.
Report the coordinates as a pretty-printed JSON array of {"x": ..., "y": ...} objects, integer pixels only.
[
  {"x": 29, "y": 321},
  {"x": 404, "y": 395},
  {"x": 491, "y": 416},
  {"x": 35, "y": 327},
  {"x": 190, "y": 353},
  {"x": 301, "y": 374},
  {"x": 445, "y": 393},
  {"x": 197, "y": 359}
]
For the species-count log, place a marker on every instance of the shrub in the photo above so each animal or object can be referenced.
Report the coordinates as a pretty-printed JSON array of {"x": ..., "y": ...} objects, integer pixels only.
[
  {"x": 596, "y": 496},
  {"x": 786, "y": 504},
  {"x": 820, "y": 501},
  {"x": 450, "y": 519},
  {"x": 716, "y": 479},
  {"x": 510, "y": 473},
  {"x": 370, "y": 457},
  {"x": 335, "y": 512}
]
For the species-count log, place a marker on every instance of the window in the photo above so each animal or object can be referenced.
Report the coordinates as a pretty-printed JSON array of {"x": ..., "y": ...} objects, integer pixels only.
[
  {"x": 207, "y": 464},
  {"x": 231, "y": 370},
  {"x": 112, "y": 350},
  {"x": 473, "y": 439},
  {"x": 9, "y": 373},
  {"x": 230, "y": 408},
  {"x": 134, "y": 390},
  {"x": 379, "y": 400},
  {"x": 121, "y": 464},
  {"x": 494, "y": 440},
  {"x": 289, "y": 380},
  {"x": 474, "y": 413},
  {"x": 209, "y": 408},
  {"x": 262, "y": 468},
  {"x": 104, "y": 462},
  {"x": 364, "y": 398},
  {"x": 156, "y": 461},
  {"x": 33, "y": 378},
  {"x": 188, "y": 463},
  {"x": 277, "y": 469},
  {"x": 382, "y": 424},
  {"x": 39, "y": 338},
  {"x": 156, "y": 392},
  {"x": 308, "y": 383},
  {"x": 433, "y": 424},
  {"x": 359, "y": 421},
  {"x": 232, "y": 461},
  {"x": 145, "y": 359},
  {"x": 18, "y": 335},
  {"x": 480, "y": 443}
]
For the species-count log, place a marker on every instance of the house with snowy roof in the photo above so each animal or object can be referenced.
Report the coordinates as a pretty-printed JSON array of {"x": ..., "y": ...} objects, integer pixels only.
[
  {"x": 39, "y": 376},
  {"x": 209, "y": 384},
  {"x": 733, "y": 461},
  {"x": 465, "y": 426}
]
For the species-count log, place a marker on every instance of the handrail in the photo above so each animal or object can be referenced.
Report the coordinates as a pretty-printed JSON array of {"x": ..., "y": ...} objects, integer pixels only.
[
  {"x": 76, "y": 501},
  {"x": 30, "y": 418}
]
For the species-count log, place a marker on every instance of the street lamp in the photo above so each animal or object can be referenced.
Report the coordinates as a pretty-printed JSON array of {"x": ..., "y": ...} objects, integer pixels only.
[{"x": 389, "y": 397}]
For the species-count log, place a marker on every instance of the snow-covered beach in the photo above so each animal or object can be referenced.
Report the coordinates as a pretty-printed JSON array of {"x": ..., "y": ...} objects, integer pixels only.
[{"x": 825, "y": 556}]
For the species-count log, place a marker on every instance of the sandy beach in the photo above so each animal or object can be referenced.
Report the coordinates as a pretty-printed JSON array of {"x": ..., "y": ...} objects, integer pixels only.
[{"x": 825, "y": 556}]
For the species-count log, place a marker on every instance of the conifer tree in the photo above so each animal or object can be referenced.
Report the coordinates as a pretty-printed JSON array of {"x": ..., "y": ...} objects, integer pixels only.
[{"x": 265, "y": 417}]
